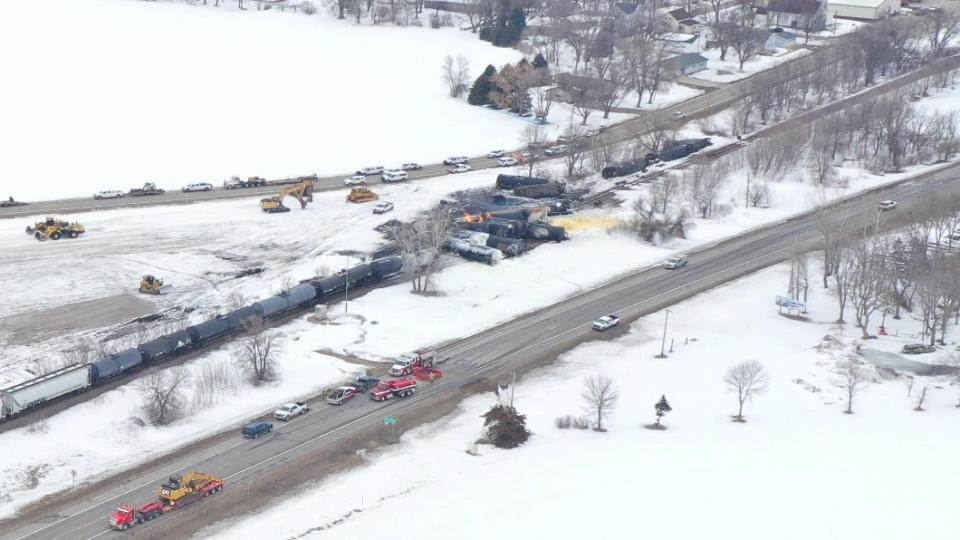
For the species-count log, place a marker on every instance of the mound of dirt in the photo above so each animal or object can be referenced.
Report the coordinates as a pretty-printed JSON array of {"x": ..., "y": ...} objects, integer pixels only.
[{"x": 38, "y": 325}]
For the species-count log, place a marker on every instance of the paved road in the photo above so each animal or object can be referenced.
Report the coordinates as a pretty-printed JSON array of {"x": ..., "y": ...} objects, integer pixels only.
[
  {"x": 696, "y": 107},
  {"x": 515, "y": 345}
]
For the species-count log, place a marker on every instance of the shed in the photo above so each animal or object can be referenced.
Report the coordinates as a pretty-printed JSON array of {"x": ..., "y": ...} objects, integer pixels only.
[
  {"x": 780, "y": 40},
  {"x": 685, "y": 64},
  {"x": 866, "y": 10}
]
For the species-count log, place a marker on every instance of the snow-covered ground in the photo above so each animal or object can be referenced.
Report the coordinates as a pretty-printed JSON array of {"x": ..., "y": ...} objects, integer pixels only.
[
  {"x": 104, "y": 431},
  {"x": 131, "y": 91},
  {"x": 729, "y": 70},
  {"x": 798, "y": 469}
]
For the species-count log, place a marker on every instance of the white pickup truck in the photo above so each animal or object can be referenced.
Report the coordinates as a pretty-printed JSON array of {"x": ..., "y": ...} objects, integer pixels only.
[{"x": 290, "y": 410}]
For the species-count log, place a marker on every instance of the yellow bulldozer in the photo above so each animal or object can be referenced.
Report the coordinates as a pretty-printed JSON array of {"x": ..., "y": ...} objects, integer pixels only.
[
  {"x": 151, "y": 285},
  {"x": 303, "y": 192},
  {"x": 180, "y": 489},
  {"x": 361, "y": 194},
  {"x": 55, "y": 229}
]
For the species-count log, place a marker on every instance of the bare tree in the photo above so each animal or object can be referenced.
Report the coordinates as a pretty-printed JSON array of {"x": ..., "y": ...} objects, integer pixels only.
[
  {"x": 703, "y": 184},
  {"x": 214, "y": 380},
  {"x": 866, "y": 287},
  {"x": 746, "y": 379},
  {"x": 258, "y": 351},
  {"x": 532, "y": 138},
  {"x": 851, "y": 377},
  {"x": 832, "y": 225},
  {"x": 939, "y": 28},
  {"x": 601, "y": 397},
  {"x": 163, "y": 394},
  {"x": 456, "y": 74},
  {"x": 420, "y": 243},
  {"x": 746, "y": 42}
]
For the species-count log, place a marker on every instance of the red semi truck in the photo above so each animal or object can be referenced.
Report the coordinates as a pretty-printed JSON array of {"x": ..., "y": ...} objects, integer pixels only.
[{"x": 176, "y": 493}]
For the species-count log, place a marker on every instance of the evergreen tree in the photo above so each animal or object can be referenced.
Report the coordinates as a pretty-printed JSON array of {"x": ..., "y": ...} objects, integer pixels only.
[
  {"x": 662, "y": 408},
  {"x": 539, "y": 61},
  {"x": 504, "y": 427},
  {"x": 480, "y": 92}
]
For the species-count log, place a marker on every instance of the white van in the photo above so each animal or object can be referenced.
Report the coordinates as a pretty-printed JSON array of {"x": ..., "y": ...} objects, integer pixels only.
[{"x": 394, "y": 176}]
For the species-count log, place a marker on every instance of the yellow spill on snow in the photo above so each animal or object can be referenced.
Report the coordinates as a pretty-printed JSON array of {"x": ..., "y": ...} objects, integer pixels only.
[{"x": 582, "y": 223}]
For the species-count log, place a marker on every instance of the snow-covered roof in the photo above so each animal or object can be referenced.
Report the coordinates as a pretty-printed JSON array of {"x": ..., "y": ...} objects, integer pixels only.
[
  {"x": 681, "y": 38},
  {"x": 858, "y": 3}
]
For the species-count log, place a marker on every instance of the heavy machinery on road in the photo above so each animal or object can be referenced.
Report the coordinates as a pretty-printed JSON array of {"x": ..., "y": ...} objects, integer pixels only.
[
  {"x": 303, "y": 192},
  {"x": 149, "y": 188},
  {"x": 361, "y": 194},
  {"x": 236, "y": 182},
  {"x": 151, "y": 285},
  {"x": 55, "y": 229},
  {"x": 176, "y": 493}
]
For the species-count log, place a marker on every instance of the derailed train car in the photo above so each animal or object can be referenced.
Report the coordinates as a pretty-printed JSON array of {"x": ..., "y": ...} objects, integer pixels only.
[
  {"x": 473, "y": 252},
  {"x": 509, "y": 181}
]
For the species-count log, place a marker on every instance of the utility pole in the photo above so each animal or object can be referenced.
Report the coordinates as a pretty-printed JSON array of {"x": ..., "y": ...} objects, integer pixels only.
[
  {"x": 346, "y": 286},
  {"x": 513, "y": 385},
  {"x": 663, "y": 341}
]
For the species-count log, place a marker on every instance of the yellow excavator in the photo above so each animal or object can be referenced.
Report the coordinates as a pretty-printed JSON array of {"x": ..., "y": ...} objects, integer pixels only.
[
  {"x": 151, "y": 285},
  {"x": 303, "y": 192},
  {"x": 184, "y": 489}
]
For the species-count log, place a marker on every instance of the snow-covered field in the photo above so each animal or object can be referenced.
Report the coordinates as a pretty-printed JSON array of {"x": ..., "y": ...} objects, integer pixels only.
[
  {"x": 798, "y": 469},
  {"x": 131, "y": 91},
  {"x": 728, "y": 70}
]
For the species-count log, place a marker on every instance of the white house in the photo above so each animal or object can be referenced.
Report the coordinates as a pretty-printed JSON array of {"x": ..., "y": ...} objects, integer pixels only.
[
  {"x": 780, "y": 40},
  {"x": 867, "y": 10}
]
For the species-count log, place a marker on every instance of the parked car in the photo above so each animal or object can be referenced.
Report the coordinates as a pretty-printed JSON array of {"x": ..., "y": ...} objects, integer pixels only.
[
  {"x": 456, "y": 160},
  {"x": 677, "y": 261},
  {"x": 888, "y": 205},
  {"x": 918, "y": 348},
  {"x": 108, "y": 194},
  {"x": 458, "y": 168},
  {"x": 382, "y": 207},
  {"x": 256, "y": 429},
  {"x": 495, "y": 153},
  {"x": 200, "y": 186},
  {"x": 607, "y": 321},
  {"x": 290, "y": 410},
  {"x": 411, "y": 166},
  {"x": 506, "y": 161},
  {"x": 356, "y": 180},
  {"x": 367, "y": 171},
  {"x": 556, "y": 150},
  {"x": 394, "y": 176}
]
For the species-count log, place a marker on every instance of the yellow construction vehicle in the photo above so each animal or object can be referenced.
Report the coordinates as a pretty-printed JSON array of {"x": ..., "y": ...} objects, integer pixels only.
[
  {"x": 361, "y": 194},
  {"x": 55, "y": 229},
  {"x": 150, "y": 284},
  {"x": 303, "y": 192},
  {"x": 184, "y": 490}
]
